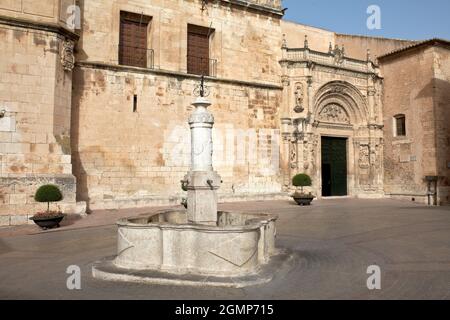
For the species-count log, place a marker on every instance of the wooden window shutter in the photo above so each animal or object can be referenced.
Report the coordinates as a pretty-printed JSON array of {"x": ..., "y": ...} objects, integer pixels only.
[
  {"x": 133, "y": 39},
  {"x": 198, "y": 61}
]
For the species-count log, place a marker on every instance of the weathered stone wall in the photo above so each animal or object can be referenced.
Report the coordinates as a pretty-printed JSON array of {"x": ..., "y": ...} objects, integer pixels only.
[
  {"x": 42, "y": 11},
  {"x": 17, "y": 203},
  {"x": 319, "y": 39},
  {"x": 45, "y": 10},
  {"x": 356, "y": 46},
  {"x": 126, "y": 159},
  {"x": 35, "y": 93},
  {"x": 245, "y": 43},
  {"x": 408, "y": 89},
  {"x": 276, "y": 4},
  {"x": 442, "y": 105}
]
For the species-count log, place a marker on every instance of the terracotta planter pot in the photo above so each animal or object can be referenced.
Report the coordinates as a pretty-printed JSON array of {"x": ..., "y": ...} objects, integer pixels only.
[{"x": 48, "y": 223}]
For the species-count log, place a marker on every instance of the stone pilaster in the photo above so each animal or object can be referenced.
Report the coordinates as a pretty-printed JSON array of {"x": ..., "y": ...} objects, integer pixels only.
[{"x": 285, "y": 151}]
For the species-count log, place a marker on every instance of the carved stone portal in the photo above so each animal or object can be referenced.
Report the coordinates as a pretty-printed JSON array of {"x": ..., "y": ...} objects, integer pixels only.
[{"x": 334, "y": 113}]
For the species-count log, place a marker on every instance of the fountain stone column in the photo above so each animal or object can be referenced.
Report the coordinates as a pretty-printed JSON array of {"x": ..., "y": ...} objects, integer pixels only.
[{"x": 202, "y": 181}]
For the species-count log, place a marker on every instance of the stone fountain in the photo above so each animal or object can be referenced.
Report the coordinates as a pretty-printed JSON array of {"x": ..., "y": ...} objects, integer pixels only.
[{"x": 200, "y": 246}]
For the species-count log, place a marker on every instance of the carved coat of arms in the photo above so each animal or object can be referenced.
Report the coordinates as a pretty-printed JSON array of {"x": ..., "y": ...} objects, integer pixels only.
[{"x": 67, "y": 56}]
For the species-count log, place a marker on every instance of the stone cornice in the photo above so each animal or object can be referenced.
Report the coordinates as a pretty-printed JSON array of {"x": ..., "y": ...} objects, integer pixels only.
[
  {"x": 257, "y": 7},
  {"x": 120, "y": 68},
  {"x": 47, "y": 27},
  {"x": 332, "y": 60},
  {"x": 309, "y": 64},
  {"x": 331, "y": 125},
  {"x": 299, "y": 54}
]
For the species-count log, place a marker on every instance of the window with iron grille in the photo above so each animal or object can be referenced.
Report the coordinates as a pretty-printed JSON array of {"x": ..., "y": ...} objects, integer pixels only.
[
  {"x": 400, "y": 125},
  {"x": 198, "y": 59},
  {"x": 133, "y": 40}
]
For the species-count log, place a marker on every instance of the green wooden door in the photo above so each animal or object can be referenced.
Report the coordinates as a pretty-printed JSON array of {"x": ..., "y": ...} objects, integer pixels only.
[{"x": 334, "y": 166}]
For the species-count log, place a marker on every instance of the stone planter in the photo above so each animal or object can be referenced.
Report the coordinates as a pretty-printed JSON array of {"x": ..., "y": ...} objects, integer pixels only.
[
  {"x": 48, "y": 223},
  {"x": 303, "y": 199}
]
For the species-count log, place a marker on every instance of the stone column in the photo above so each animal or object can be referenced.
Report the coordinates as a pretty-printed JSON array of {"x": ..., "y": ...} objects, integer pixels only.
[{"x": 202, "y": 181}]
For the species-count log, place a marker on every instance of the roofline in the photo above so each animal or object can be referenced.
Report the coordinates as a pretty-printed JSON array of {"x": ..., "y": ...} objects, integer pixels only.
[
  {"x": 375, "y": 37},
  {"x": 426, "y": 43},
  {"x": 278, "y": 12},
  {"x": 307, "y": 25}
]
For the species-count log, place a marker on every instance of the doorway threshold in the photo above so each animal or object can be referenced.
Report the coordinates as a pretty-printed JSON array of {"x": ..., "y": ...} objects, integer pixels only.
[{"x": 337, "y": 197}]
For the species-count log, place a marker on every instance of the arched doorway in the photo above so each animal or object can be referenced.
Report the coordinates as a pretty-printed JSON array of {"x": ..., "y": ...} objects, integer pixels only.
[
  {"x": 334, "y": 166},
  {"x": 340, "y": 122}
]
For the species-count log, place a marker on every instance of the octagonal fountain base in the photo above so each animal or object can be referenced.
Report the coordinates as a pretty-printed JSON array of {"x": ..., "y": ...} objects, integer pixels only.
[{"x": 164, "y": 248}]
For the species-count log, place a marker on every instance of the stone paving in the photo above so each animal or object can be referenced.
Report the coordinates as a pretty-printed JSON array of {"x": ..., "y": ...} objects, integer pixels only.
[{"x": 335, "y": 241}]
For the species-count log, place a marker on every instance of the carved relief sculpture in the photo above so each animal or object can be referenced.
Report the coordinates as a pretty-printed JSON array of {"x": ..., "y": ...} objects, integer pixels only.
[
  {"x": 305, "y": 155},
  {"x": 364, "y": 160},
  {"x": 67, "y": 56},
  {"x": 373, "y": 157},
  {"x": 339, "y": 55},
  {"x": 285, "y": 80},
  {"x": 298, "y": 98},
  {"x": 337, "y": 89},
  {"x": 334, "y": 113},
  {"x": 314, "y": 148},
  {"x": 293, "y": 155}
]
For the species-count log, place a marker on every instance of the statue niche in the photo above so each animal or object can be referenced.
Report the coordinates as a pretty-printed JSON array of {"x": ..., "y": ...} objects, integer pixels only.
[
  {"x": 298, "y": 98},
  {"x": 334, "y": 113}
]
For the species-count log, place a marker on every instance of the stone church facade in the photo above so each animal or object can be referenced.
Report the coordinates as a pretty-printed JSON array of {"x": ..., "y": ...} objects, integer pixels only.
[
  {"x": 101, "y": 109},
  {"x": 330, "y": 96}
]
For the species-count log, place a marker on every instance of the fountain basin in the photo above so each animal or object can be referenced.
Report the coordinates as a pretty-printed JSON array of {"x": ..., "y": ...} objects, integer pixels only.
[
  {"x": 199, "y": 246},
  {"x": 238, "y": 245}
]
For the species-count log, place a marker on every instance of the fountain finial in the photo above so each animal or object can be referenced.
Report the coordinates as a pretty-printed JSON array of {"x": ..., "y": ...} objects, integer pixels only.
[
  {"x": 202, "y": 86},
  {"x": 201, "y": 90}
]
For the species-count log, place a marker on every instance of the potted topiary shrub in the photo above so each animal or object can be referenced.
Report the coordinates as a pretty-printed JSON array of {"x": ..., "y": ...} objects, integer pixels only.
[
  {"x": 48, "y": 219},
  {"x": 302, "y": 180}
]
